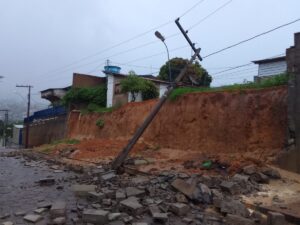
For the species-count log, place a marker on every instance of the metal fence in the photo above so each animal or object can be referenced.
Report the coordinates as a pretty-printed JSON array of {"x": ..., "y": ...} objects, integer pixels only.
[{"x": 46, "y": 113}]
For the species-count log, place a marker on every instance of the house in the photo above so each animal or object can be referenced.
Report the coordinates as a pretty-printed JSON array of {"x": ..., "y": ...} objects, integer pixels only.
[
  {"x": 54, "y": 95},
  {"x": 17, "y": 135},
  {"x": 270, "y": 67},
  {"x": 114, "y": 94}
]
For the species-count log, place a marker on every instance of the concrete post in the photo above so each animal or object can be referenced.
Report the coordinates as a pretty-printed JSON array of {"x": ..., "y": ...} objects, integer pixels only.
[{"x": 291, "y": 160}]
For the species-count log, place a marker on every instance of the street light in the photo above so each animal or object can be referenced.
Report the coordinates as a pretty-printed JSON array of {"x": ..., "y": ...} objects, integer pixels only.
[{"x": 162, "y": 38}]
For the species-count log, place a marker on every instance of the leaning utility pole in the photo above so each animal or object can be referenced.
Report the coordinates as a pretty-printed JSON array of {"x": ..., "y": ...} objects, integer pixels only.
[
  {"x": 5, "y": 125},
  {"x": 119, "y": 160},
  {"x": 124, "y": 153},
  {"x": 28, "y": 112}
]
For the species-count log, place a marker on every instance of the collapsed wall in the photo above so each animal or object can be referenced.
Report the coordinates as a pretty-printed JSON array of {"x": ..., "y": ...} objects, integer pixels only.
[{"x": 232, "y": 121}]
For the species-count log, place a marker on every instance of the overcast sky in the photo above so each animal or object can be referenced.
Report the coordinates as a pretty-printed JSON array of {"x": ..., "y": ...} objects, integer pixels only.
[{"x": 39, "y": 38}]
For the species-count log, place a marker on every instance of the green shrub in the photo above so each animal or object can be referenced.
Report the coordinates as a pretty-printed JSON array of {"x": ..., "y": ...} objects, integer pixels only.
[
  {"x": 135, "y": 84},
  {"x": 100, "y": 123},
  {"x": 92, "y": 95},
  {"x": 150, "y": 90}
]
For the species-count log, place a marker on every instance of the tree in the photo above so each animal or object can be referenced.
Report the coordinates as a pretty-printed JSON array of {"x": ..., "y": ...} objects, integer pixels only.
[
  {"x": 135, "y": 84},
  {"x": 196, "y": 75}
]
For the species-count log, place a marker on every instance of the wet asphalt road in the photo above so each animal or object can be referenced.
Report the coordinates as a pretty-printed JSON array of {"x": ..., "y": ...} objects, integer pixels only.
[{"x": 19, "y": 190}]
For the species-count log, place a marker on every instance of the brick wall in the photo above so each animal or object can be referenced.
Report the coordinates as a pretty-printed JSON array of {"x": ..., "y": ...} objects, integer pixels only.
[{"x": 83, "y": 80}]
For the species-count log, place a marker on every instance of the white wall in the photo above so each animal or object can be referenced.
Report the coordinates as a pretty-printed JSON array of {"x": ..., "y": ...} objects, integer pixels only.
[
  {"x": 162, "y": 89},
  {"x": 110, "y": 90},
  {"x": 273, "y": 68},
  {"x": 138, "y": 97}
]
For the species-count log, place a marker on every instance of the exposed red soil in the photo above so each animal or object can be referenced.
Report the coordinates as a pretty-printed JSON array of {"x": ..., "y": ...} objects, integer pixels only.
[{"x": 232, "y": 127}]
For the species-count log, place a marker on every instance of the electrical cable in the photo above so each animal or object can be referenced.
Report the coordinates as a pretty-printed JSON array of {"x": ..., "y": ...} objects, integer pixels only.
[
  {"x": 209, "y": 15},
  {"x": 254, "y": 37}
]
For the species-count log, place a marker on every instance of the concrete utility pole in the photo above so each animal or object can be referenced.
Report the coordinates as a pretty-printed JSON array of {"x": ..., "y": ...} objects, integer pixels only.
[
  {"x": 28, "y": 112},
  {"x": 119, "y": 160},
  {"x": 5, "y": 125}
]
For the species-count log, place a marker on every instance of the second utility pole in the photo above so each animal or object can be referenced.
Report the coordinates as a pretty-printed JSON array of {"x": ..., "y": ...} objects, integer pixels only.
[{"x": 28, "y": 113}]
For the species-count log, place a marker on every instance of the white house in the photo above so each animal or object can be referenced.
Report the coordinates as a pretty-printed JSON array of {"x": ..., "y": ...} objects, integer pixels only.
[
  {"x": 114, "y": 94},
  {"x": 17, "y": 137},
  {"x": 270, "y": 67}
]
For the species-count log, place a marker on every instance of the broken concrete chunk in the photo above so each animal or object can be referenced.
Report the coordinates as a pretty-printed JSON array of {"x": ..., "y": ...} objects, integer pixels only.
[
  {"x": 33, "y": 218},
  {"x": 95, "y": 216},
  {"x": 4, "y": 216},
  {"x": 7, "y": 223},
  {"x": 139, "y": 162},
  {"x": 179, "y": 209},
  {"x": 240, "y": 178},
  {"x": 120, "y": 195},
  {"x": 189, "y": 190},
  {"x": 127, "y": 219},
  {"x": 230, "y": 187},
  {"x": 259, "y": 178},
  {"x": 206, "y": 194},
  {"x": 234, "y": 207},
  {"x": 181, "y": 198},
  {"x": 249, "y": 170},
  {"x": 59, "y": 221},
  {"x": 108, "y": 175},
  {"x": 108, "y": 192},
  {"x": 140, "y": 180},
  {"x": 161, "y": 217},
  {"x": 114, "y": 216},
  {"x": 275, "y": 218},
  {"x": 154, "y": 209},
  {"x": 133, "y": 191},
  {"x": 44, "y": 205},
  {"x": 40, "y": 210},
  {"x": 132, "y": 205},
  {"x": 82, "y": 190},
  {"x": 98, "y": 196},
  {"x": 238, "y": 220},
  {"x": 58, "y": 209},
  {"x": 47, "y": 181},
  {"x": 107, "y": 202},
  {"x": 20, "y": 213},
  {"x": 187, "y": 220}
]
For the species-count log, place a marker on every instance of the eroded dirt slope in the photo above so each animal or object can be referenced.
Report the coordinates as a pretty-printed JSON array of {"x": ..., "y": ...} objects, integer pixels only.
[{"x": 219, "y": 122}]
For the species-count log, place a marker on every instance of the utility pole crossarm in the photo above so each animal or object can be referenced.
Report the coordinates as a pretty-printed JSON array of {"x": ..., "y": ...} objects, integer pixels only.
[{"x": 187, "y": 38}]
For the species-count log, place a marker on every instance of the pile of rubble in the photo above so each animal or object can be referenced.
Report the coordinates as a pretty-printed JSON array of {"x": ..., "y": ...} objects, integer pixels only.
[
  {"x": 171, "y": 198},
  {"x": 106, "y": 197}
]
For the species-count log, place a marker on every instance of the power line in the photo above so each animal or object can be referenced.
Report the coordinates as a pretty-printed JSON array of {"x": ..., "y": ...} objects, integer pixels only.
[
  {"x": 233, "y": 68},
  {"x": 249, "y": 39},
  {"x": 252, "y": 69},
  {"x": 192, "y": 8},
  {"x": 157, "y": 54},
  {"x": 244, "y": 65},
  {"x": 209, "y": 15},
  {"x": 124, "y": 42}
]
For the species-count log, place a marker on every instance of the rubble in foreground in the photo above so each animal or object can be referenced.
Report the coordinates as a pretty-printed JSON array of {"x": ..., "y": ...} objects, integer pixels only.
[{"x": 106, "y": 197}]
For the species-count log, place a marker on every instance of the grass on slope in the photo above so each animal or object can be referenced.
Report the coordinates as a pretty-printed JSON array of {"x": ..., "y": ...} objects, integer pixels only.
[{"x": 278, "y": 80}]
